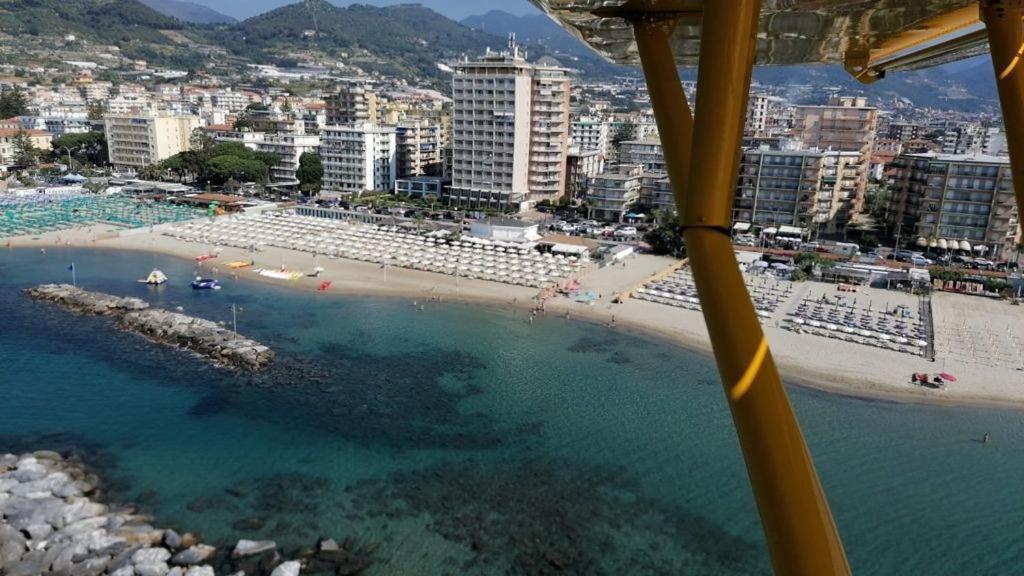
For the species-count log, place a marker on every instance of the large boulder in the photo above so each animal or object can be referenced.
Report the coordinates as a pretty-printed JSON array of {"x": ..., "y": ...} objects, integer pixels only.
[
  {"x": 252, "y": 547},
  {"x": 194, "y": 555},
  {"x": 290, "y": 568}
]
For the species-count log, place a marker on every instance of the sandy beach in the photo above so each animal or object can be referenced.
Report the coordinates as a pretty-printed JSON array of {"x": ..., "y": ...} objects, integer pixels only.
[{"x": 986, "y": 361}]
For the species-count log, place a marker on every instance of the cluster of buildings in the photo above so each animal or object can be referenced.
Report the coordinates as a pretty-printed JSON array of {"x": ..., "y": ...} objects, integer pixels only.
[{"x": 513, "y": 134}]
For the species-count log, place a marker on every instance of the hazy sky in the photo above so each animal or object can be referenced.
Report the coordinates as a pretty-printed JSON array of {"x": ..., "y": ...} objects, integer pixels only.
[{"x": 454, "y": 9}]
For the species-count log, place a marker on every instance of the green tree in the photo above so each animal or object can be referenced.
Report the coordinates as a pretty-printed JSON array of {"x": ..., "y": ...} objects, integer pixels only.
[
  {"x": 310, "y": 173},
  {"x": 226, "y": 167},
  {"x": 13, "y": 103},
  {"x": 666, "y": 239},
  {"x": 86, "y": 148},
  {"x": 25, "y": 152}
]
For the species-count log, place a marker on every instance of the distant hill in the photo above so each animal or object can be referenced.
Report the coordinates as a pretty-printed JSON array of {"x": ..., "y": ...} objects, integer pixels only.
[
  {"x": 134, "y": 27},
  {"x": 189, "y": 12},
  {"x": 403, "y": 39}
]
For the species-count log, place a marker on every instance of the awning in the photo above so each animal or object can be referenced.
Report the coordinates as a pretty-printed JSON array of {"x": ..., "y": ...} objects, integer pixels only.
[
  {"x": 965, "y": 245},
  {"x": 791, "y": 231},
  {"x": 981, "y": 248},
  {"x": 933, "y": 243},
  {"x": 769, "y": 231},
  {"x": 922, "y": 242},
  {"x": 942, "y": 244},
  {"x": 741, "y": 226}
]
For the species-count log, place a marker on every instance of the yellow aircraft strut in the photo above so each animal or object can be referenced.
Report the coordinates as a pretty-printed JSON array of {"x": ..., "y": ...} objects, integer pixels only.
[{"x": 702, "y": 158}]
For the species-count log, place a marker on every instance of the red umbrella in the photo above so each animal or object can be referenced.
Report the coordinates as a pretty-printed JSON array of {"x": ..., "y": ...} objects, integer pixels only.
[{"x": 947, "y": 376}]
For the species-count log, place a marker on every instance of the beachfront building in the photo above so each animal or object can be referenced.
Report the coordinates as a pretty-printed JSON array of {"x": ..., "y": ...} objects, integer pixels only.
[
  {"x": 777, "y": 187},
  {"x": 510, "y": 132},
  {"x": 135, "y": 141},
  {"x": 613, "y": 193},
  {"x": 289, "y": 147},
  {"x": 809, "y": 190},
  {"x": 419, "y": 148},
  {"x": 431, "y": 187},
  {"x": 590, "y": 133},
  {"x": 956, "y": 202},
  {"x": 646, "y": 152},
  {"x": 358, "y": 158},
  {"x": 8, "y": 139},
  {"x": 352, "y": 104}
]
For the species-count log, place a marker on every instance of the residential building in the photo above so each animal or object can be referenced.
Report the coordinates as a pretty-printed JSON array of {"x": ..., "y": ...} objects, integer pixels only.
[
  {"x": 777, "y": 188},
  {"x": 590, "y": 133},
  {"x": 656, "y": 192},
  {"x": 956, "y": 202},
  {"x": 510, "y": 131},
  {"x": 579, "y": 166},
  {"x": 8, "y": 137},
  {"x": 847, "y": 124},
  {"x": 135, "y": 141},
  {"x": 289, "y": 147},
  {"x": 352, "y": 104},
  {"x": 358, "y": 158},
  {"x": 904, "y": 131},
  {"x": 419, "y": 149},
  {"x": 810, "y": 191},
  {"x": 647, "y": 153},
  {"x": 614, "y": 192}
]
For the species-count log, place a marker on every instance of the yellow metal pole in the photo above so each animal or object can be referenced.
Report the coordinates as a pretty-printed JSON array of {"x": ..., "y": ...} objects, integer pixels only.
[
  {"x": 801, "y": 535},
  {"x": 1003, "y": 21}
]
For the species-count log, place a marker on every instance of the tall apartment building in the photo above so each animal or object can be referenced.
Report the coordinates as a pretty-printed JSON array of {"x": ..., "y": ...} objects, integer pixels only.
[
  {"x": 589, "y": 133},
  {"x": 289, "y": 147},
  {"x": 358, "y": 158},
  {"x": 580, "y": 165},
  {"x": 614, "y": 192},
  {"x": 135, "y": 141},
  {"x": 964, "y": 201},
  {"x": 352, "y": 104},
  {"x": 847, "y": 124},
  {"x": 418, "y": 149},
  {"x": 765, "y": 115},
  {"x": 647, "y": 153},
  {"x": 806, "y": 189},
  {"x": 510, "y": 132}
]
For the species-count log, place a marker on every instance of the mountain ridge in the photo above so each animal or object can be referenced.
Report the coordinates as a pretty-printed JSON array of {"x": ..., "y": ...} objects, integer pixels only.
[{"x": 190, "y": 12}]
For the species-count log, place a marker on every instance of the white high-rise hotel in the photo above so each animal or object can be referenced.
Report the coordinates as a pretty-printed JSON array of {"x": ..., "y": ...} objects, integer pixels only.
[{"x": 510, "y": 131}]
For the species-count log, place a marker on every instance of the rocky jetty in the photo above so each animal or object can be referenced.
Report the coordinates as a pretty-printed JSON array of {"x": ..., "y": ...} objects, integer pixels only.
[
  {"x": 203, "y": 337},
  {"x": 49, "y": 524},
  {"x": 52, "y": 524}
]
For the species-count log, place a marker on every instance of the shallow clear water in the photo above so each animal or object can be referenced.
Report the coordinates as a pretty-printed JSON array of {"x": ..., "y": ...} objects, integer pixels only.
[{"x": 464, "y": 440}]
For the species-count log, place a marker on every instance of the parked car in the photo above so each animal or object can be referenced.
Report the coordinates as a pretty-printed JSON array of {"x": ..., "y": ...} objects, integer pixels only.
[
  {"x": 920, "y": 261},
  {"x": 626, "y": 232}
]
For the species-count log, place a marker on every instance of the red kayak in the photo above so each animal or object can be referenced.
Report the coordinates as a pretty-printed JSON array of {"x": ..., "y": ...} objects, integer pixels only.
[{"x": 324, "y": 286}]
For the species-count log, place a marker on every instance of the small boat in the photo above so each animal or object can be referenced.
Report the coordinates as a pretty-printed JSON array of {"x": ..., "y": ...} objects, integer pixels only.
[
  {"x": 239, "y": 264},
  {"x": 205, "y": 257},
  {"x": 155, "y": 278},
  {"x": 324, "y": 286},
  {"x": 205, "y": 284}
]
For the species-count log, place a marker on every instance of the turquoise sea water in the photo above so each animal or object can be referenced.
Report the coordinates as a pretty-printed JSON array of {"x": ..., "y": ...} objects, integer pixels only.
[{"x": 463, "y": 440}]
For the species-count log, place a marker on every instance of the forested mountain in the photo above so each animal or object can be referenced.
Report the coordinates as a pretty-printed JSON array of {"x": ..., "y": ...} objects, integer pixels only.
[
  {"x": 189, "y": 12},
  {"x": 404, "y": 39}
]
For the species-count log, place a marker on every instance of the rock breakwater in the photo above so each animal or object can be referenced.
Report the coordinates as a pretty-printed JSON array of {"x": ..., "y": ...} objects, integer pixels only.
[
  {"x": 201, "y": 336},
  {"x": 52, "y": 524}
]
